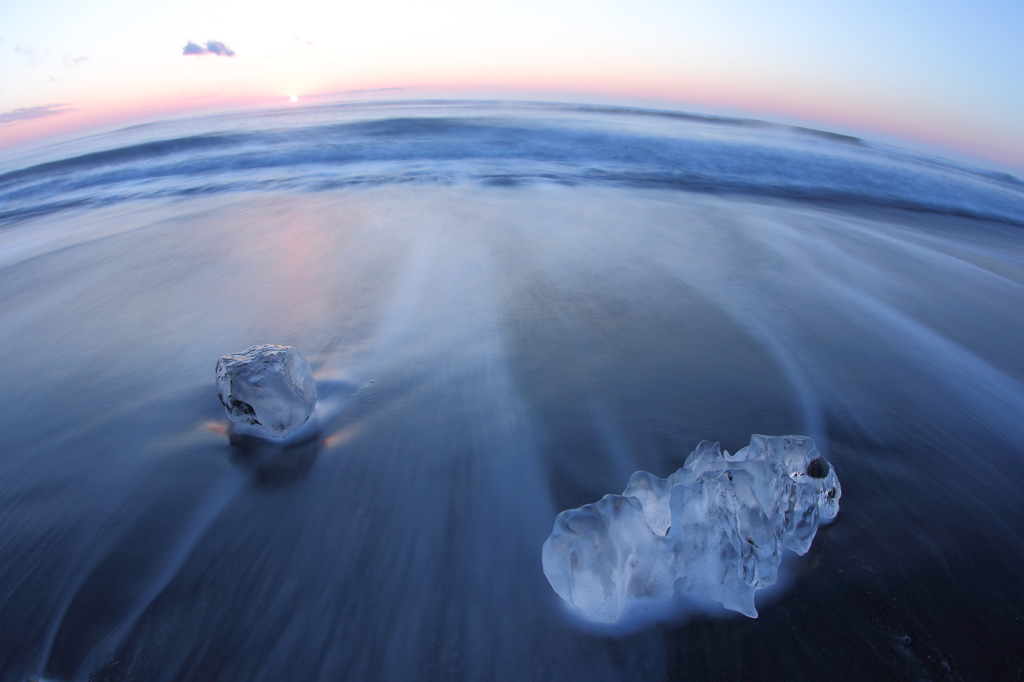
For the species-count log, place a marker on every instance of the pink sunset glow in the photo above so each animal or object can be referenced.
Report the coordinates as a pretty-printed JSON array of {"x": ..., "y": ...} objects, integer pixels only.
[{"x": 932, "y": 82}]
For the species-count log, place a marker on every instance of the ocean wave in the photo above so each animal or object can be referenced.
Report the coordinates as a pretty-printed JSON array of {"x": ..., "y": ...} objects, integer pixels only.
[{"x": 508, "y": 147}]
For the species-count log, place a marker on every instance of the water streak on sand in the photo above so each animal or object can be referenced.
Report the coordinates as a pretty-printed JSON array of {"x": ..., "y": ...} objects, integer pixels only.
[{"x": 508, "y": 310}]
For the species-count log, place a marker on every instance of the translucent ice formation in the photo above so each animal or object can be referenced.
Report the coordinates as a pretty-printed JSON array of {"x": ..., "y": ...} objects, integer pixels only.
[
  {"x": 714, "y": 529},
  {"x": 268, "y": 391}
]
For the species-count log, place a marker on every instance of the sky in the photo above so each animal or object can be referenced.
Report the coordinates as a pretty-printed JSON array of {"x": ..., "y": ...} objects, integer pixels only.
[{"x": 939, "y": 76}]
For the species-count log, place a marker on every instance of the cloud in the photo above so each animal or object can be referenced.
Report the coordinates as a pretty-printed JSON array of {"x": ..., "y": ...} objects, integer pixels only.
[
  {"x": 212, "y": 47},
  {"x": 219, "y": 48},
  {"x": 30, "y": 54},
  {"x": 74, "y": 62},
  {"x": 31, "y": 113},
  {"x": 361, "y": 91}
]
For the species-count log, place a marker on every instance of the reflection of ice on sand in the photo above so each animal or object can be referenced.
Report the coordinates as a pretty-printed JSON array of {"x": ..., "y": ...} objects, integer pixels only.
[{"x": 288, "y": 460}]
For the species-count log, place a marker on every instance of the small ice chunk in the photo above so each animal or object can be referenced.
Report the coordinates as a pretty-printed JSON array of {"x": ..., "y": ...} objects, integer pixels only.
[
  {"x": 714, "y": 529},
  {"x": 268, "y": 391}
]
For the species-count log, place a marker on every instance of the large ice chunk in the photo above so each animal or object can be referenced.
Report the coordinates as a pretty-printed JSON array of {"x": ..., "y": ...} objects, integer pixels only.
[
  {"x": 268, "y": 391},
  {"x": 714, "y": 529}
]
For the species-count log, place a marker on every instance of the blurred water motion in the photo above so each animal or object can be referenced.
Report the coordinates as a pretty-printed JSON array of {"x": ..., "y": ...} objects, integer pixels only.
[{"x": 493, "y": 353}]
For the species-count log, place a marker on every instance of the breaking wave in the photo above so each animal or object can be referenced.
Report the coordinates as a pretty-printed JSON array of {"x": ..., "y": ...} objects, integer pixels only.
[{"x": 453, "y": 143}]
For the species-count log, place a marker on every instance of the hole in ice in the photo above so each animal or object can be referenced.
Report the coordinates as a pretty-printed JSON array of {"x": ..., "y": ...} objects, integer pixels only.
[
  {"x": 818, "y": 468},
  {"x": 243, "y": 410}
]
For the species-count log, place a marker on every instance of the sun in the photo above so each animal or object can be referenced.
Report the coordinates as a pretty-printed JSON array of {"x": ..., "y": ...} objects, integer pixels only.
[{"x": 294, "y": 98}]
